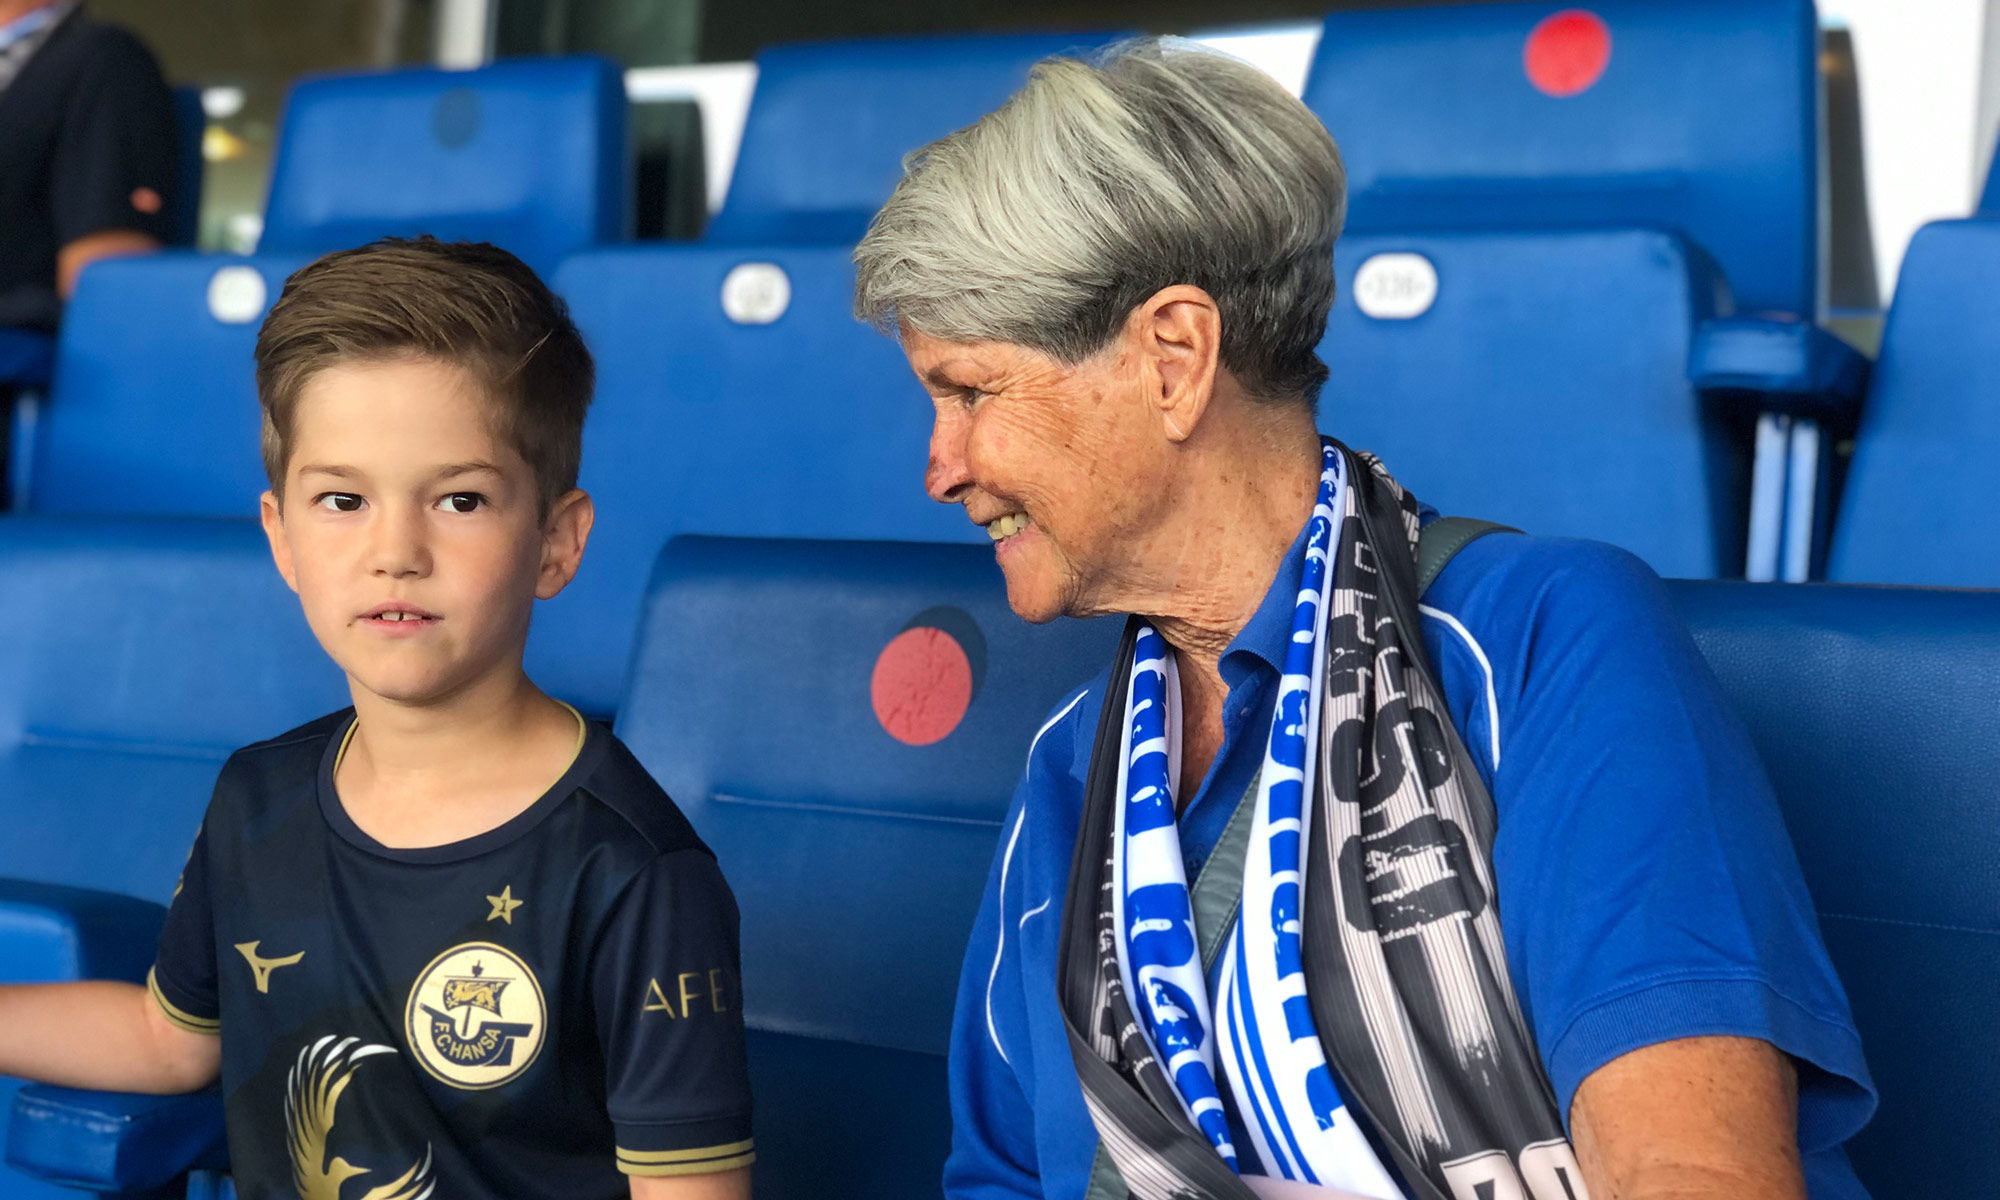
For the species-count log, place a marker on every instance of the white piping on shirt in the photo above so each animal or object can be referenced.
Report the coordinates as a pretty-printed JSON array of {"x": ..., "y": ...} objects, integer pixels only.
[
  {"x": 1472, "y": 643},
  {"x": 1007, "y": 864}
]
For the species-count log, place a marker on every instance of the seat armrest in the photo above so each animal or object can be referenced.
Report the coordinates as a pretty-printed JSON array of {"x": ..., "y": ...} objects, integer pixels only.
[
  {"x": 26, "y": 358},
  {"x": 50, "y": 933},
  {"x": 1780, "y": 364},
  {"x": 114, "y": 1141}
]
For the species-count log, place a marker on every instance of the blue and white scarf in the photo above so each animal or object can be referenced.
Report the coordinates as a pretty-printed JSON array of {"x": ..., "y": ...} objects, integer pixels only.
[{"x": 1365, "y": 941}]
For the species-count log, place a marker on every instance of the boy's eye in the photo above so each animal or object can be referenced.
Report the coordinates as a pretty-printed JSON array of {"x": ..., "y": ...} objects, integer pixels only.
[
  {"x": 462, "y": 502},
  {"x": 346, "y": 502}
]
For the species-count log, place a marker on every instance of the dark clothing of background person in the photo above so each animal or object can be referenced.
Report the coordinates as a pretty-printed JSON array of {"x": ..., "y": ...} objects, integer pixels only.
[{"x": 87, "y": 147}]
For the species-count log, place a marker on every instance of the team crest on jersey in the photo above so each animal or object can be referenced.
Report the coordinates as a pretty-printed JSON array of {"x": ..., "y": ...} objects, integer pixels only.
[{"x": 476, "y": 1016}]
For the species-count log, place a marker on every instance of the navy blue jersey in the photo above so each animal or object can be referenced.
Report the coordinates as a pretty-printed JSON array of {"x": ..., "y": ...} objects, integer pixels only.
[{"x": 525, "y": 1013}]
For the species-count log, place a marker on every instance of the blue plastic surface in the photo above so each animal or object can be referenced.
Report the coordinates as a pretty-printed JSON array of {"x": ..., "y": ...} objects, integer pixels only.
[
  {"x": 531, "y": 154},
  {"x": 1922, "y": 505},
  {"x": 138, "y": 655},
  {"x": 154, "y": 405},
  {"x": 1546, "y": 388},
  {"x": 1782, "y": 363},
  {"x": 1873, "y": 709},
  {"x": 51, "y": 934},
  {"x": 857, "y": 859},
  {"x": 113, "y": 1141},
  {"x": 831, "y": 121},
  {"x": 26, "y": 356},
  {"x": 1703, "y": 121},
  {"x": 810, "y": 426}
]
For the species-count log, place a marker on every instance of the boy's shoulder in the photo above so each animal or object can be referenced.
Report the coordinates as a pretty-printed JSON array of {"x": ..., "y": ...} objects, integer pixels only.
[
  {"x": 286, "y": 760},
  {"x": 632, "y": 804}
]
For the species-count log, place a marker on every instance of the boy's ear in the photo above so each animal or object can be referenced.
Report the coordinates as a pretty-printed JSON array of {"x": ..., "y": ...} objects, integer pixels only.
[
  {"x": 564, "y": 536},
  {"x": 274, "y": 531}
]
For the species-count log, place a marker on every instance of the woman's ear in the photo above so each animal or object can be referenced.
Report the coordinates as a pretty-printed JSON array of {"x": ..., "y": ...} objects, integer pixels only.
[
  {"x": 564, "y": 536},
  {"x": 1178, "y": 334}
]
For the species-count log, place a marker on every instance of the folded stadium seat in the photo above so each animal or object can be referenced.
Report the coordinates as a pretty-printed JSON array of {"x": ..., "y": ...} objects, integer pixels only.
[
  {"x": 737, "y": 395},
  {"x": 830, "y": 122},
  {"x": 845, "y": 723},
  {"x": 1695, "y": 116},
  {"x": 153, "y": 409},
  {"x": 1922, "y": 501},
  {"x": 1875, "y": 712},
  {"x": 1543, "y": 386},
  {"x": 532, "y": 154},
  {"x": 139, "y": 654}
]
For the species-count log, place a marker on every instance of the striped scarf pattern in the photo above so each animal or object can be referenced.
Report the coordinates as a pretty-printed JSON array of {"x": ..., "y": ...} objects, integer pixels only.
[{"x": 1364, "y": 1031}]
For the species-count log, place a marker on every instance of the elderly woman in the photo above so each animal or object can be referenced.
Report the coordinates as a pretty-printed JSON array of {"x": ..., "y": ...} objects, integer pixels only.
[{"x": 1325, "y": 887}]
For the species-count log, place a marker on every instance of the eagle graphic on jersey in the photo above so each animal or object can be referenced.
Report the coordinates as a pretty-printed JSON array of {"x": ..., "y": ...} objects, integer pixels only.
[{"x": 312, "y": 1093}]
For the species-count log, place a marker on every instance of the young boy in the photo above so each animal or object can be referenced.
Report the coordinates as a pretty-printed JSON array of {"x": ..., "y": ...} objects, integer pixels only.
[{"x": 453, "y": 941}]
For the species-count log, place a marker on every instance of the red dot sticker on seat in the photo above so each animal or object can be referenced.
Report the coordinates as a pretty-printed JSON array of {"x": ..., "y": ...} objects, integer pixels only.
[
  {"x": 1567, "y": 52},
  {"x": 922, "y": 685}
]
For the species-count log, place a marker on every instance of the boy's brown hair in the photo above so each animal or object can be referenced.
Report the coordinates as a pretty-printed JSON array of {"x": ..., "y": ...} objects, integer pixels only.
[{"x": 469, "y": 304}]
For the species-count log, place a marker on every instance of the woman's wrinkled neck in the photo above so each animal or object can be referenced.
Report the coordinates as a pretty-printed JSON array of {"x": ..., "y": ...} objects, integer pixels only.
[{"x": 1243, "y": 491}]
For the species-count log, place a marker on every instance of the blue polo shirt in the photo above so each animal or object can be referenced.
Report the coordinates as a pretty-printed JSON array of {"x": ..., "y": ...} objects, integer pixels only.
[{"x": 1647, "y": 888}]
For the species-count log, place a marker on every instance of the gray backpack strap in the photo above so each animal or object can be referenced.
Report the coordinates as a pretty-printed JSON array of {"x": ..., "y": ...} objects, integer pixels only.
[{"x": 1441, "y": 540}]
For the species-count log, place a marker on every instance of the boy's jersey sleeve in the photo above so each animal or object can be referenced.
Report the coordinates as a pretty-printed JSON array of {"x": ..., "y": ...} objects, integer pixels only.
[
  {"x": 666, "y": 986},
  {"x": 183, "y": 976}
]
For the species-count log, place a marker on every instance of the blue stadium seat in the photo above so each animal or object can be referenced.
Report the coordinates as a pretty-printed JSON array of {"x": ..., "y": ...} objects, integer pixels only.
[
  {"x": 768, "y": 677},
  {"x": 1694, "y": 116},
  {"x": 830, "y": 123},
  {"x": 139, "y": 654},
  {"x": 1703, "y": 121},
  {"x": 810, "y": 425},
  {"x": 153, "y": 409},
  {"x": 531, "y": 154},
  {"x": 1922, "y": 505},
  {"x": 1873, "y": 709},
  {"x": 1544, "y": 387}
]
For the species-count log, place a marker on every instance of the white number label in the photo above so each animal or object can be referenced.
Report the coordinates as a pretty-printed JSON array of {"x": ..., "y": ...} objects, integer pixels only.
[
  {"x": 1396, "y": 287},
  {"x": 756, "y": 293}
]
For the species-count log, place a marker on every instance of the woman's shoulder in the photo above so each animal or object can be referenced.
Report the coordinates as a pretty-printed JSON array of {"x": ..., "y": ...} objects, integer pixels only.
[
  {"x": 1061, "y": 744},
  {"x": 1520, "y": 581}
]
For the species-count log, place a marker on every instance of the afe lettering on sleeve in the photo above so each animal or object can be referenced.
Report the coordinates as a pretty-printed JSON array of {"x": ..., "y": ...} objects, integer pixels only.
[{"x": 690, "y": 994}]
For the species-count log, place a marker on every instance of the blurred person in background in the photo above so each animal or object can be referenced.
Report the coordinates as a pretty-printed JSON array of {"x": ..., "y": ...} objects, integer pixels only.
[{"x": 87, "y": 153}]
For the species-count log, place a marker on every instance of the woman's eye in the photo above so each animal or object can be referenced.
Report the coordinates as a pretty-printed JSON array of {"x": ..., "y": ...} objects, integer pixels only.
[
  {"x": 346, "y": 502},
  {"x": 462, "y": 502}
]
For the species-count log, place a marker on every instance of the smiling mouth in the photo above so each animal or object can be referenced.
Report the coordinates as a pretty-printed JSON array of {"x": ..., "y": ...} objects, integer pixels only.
[{"x": 1003, "y": 527}]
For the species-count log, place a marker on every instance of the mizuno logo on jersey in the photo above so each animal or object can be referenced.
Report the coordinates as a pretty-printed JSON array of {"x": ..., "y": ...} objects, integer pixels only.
[{"x": 263, "y": 967}]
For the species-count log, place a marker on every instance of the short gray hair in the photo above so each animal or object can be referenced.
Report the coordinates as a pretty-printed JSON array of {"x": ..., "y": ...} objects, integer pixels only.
[{"x": 1100, "y": 182}]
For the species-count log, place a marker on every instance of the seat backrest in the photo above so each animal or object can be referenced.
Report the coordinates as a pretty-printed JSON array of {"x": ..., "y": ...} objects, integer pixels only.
[
  {"x": 531, "y": 154},
  {"x": 1877, "y": 714},
  {"x": 1694, "y": 115},
  {"x": 845, "y": 723},
  {"x": 1540, "y": 380},
  {"x": 788, "y": 419},
  {"x": 830, "y": 122},
  {"x": 1922, "y": 501},
  {"x": 139, "y": 653},
  {"x": 153, "y": 409}
]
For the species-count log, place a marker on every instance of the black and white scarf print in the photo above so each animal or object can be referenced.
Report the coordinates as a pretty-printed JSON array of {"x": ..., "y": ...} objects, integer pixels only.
[{"x": 1406, "y": 974}]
